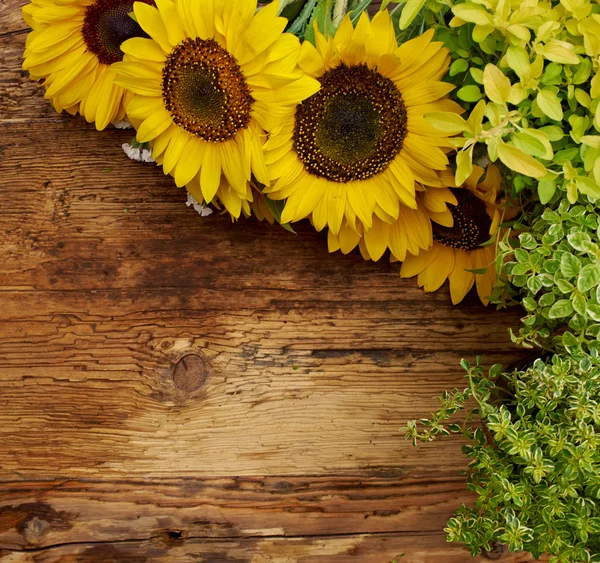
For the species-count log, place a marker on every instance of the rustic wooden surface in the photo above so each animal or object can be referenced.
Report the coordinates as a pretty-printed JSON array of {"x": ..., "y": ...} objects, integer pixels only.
[{"x": 277, "y": 438}]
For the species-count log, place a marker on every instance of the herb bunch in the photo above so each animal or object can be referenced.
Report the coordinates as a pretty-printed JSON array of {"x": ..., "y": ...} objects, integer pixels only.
[
  {"x": 528, "y": 76},
  {"x": 556, "y": 272},
  {"x": 533, "y": 441}
]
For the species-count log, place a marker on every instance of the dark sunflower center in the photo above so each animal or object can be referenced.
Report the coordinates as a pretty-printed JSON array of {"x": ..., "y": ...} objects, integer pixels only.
[
  {"x": 353, "y": 127},
  {"x": 205, "y": 90},
  {"x": 471, "y": 223},
  {"x": 106, "y": 25}
]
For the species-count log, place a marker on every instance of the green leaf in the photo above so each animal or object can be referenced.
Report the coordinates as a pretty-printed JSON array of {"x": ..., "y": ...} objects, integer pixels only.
[
  {"x": 587, "y": 186},
  {"x": 569, "y": 339},
  {"x": 529, "y": 144},
  {"x": 464, "y": 165},
  {"x": 409, "y": 12},
  {"x": 560, "y": 309},
  {"x": 579, "y": 240},
  {"x": 546, "y": 190},
  {"x": 447, "y": 122},
  {"x": 496, "y": 84},
  {"x": 472, "y": 13},
  {"x": 594, "y": 311},
  {"x": 469, "y": 93},
  {"x": 570, "y": 265},
  {"x": 589, "y": 277},
  {"x": 550, "y": 104},
  {"x": 458, "y": 66},
  {"x": 518, "y": 59},
  {"x": 276, "y": 208},
  {"x": 553, "y": 132},
  {"x": 579, "y": 303},
  {"x": 519, "y": 161}
]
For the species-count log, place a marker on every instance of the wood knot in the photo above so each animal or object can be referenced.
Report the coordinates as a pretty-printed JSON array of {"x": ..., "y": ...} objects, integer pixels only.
[{"x": 190, "y": 373}]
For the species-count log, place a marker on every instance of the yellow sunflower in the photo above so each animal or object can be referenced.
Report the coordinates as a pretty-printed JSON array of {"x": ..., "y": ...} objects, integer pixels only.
[
  {"x": 211, "y": 80},
  {"x": 361, "y": 142},
  {"x": 457, "y": 249},
  {"x": 71, "y": 47}
]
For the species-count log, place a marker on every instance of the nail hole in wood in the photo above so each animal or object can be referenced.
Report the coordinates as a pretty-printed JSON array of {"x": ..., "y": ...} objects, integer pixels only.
[{"x": 190, "y": 373}]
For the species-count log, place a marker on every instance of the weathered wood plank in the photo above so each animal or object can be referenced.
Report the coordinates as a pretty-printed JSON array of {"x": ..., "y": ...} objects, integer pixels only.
[
  {"x": 366, "y": 548},
  {"x": 41, "y": 514}
]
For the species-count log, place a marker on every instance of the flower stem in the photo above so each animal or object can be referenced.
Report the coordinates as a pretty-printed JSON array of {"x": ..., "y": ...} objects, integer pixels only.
[{"x": 339, "y": 11}]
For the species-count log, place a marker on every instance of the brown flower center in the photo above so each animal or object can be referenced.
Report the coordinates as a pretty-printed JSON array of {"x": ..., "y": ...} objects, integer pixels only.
[
  {"x": 353, "y": 127},
  {"x": 471, "y": 223},
  {"x": 106, "y": 25},
  {"x": 205, "y": 90}
]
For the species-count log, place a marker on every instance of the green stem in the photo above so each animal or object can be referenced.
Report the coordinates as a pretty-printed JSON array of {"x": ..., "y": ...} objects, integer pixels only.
[{"x": 339, "y": 11}]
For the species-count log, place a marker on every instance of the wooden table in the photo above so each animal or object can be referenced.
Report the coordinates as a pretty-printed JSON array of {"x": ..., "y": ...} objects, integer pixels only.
[{"x": 177, "y": 388}]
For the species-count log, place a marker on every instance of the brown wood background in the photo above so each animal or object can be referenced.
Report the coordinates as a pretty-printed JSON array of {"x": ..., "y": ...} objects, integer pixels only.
[{"x": 277, "y": 440}]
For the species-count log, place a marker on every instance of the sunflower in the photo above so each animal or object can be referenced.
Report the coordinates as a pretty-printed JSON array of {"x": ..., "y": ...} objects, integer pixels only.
[
  {"x": 457, "y": 250},
  {"x": 356, "y": 148},
  {"x": 71, "y": 48},
  {"x": 210, "y": 81}
]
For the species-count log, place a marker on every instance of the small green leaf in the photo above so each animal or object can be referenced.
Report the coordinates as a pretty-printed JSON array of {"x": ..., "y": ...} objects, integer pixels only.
[
  {"x": 546, "y": 190},
  {"x": 589, "y": 277},
  {"x": 496, "y": 84},
  {"x": 579, "y": 240},
  {"x": 520, "y": 162},
  {"x": 594, "y": 311},
  {"x": 447, "y": 122},
  {"x": 560, "y": 309},
  {"x": 458, "y": 66},
  {"x": 587, "y": 186},
  {"x": 570, "y": 265},
  {"x": 469, "y": 93},
  {"x": 550, "y": 104}
]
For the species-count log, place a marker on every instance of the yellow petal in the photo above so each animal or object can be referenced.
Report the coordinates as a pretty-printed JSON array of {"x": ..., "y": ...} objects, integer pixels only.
[
  {"x": 383, "y": 37},
  {"x": 210, "y": 173},
  {"x": 414, "y": 265},
  {"x": 189, "y": 162},
  {"x": 438, "y": 271},
  {"x": 65, "y": 77},
  {"x": 237, "y": 17},
  {"x": 154, "y": 125},
  {"x": 423, "y": 93},
  {"x": 179, "y": 140},
  {"x": 264, "y": 29},
  {"x": 150, "y": 21},
  {"x": 142, "y": 48},
  {"x": 483, "y": 258},
  {"x": 54, "y": 35},
  {"x": 168, "y": 14},
  {"x": 233, "y": 166},
  {"x": 141, "y": 107},
  {"x": 376, "y": 238},
  {"x": 336, "y": 205},
  {"x": 110, "y": 100},
  {"x": 349, "y": 239},
  {"x": 362, "y": 202},
  {"x": 143, "y": 87},
  {"x": 461, "y": 281},
  {"x": 310, "y": 60}
]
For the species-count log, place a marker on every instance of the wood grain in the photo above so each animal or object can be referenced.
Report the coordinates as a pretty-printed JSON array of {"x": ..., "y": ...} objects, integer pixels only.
[
  {"x": 366, "y": 548},
  {"x": 164, "y": 374}
]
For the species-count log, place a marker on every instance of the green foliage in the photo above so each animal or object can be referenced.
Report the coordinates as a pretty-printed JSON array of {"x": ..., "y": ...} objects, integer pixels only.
[
  {"x": 527, "y": 75},
  {"x": 555, "y": 270},
  {"x": 533, "y": 440}
]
